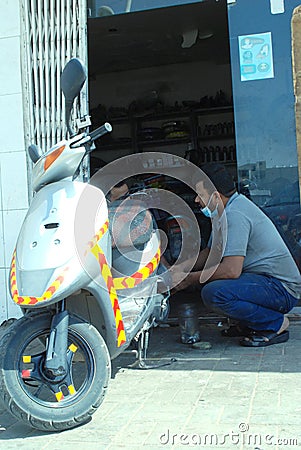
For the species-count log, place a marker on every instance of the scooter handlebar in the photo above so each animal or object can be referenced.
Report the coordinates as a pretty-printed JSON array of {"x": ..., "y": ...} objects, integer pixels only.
[{"x": 100, "y": 131}]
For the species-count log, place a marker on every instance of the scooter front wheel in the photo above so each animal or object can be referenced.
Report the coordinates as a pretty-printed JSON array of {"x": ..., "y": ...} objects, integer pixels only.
[{"x": 26, "y": 388}]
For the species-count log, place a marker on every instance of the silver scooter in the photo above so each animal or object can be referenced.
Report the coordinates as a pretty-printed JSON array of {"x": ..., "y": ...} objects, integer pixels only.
[{"x": 83, "y": 302}]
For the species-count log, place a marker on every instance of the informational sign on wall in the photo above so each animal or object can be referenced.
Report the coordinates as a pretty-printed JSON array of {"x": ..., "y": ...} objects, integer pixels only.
[
  {"x": 277, "y": 6},
  {"x": 256, "y": 56}
]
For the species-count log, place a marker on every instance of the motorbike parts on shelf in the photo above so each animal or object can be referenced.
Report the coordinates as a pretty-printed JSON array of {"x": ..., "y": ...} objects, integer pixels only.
[
  {"x": 150, "y": 134},
  {"x": 175, "y": 129}
]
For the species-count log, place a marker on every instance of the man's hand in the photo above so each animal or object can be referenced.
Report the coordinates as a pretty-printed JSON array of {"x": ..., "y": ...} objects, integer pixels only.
[
  {"x": 180, "y": 280},
  {"x": 183, "y": 280}
]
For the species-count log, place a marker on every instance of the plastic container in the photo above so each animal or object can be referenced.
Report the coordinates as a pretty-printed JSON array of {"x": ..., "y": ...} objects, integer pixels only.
[{"x": 189, "y": 323}]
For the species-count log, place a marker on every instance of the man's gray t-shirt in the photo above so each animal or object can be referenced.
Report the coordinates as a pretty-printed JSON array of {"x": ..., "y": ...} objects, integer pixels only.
[{"x": 250, "y": 233}]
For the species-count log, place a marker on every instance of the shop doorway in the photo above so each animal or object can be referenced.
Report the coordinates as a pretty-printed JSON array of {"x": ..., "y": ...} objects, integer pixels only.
[{"x": 162, "y": 77}]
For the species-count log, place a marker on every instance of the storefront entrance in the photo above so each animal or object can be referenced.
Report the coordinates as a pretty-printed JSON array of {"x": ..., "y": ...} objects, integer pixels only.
[{"x": 209, "y": 81}]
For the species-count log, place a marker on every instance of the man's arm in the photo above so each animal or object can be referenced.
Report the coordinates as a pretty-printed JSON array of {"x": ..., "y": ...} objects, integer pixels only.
[
  {"x": 229, "y": 268},
  {"x": 191, "y": 264},
  {"x": 202, "y": 258}
]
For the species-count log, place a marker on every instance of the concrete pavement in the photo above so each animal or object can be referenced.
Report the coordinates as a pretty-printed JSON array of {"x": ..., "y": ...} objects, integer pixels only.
[{"x": 226, "y": 397}]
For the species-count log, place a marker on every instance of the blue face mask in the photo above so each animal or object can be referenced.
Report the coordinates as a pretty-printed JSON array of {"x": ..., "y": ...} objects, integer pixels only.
[{"x": 207, "y": 211}]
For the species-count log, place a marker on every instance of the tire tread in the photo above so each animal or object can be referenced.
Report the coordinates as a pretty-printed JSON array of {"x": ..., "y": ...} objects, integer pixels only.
[{"x": 32, "y": 419}]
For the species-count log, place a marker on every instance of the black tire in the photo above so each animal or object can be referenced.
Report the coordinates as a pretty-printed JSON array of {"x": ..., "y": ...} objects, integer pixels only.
[{"x": 33, "y": 400}]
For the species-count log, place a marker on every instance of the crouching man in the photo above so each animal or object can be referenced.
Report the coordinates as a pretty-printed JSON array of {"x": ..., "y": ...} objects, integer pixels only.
[{"x": 257, "y": 280}]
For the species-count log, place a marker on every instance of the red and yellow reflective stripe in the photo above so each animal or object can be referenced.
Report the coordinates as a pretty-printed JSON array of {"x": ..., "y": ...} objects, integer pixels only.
[
  {"x": 98, "y": 236},
  {"x": 108, "y": 278},
  {"x": 112, "y": 284},
  {"x": 71, "y": 389},
  {"x": 59, "y": 396},
  {"x": 28, "y": 300},
  {"x": 141, "y": 275}
]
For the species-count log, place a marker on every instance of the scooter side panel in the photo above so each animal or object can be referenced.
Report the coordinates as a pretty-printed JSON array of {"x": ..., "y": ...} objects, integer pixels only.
[
  {"x": 63, "y": 166},
  {"x": 55, "y": 236},
  {"x": 110, "y": 331}
]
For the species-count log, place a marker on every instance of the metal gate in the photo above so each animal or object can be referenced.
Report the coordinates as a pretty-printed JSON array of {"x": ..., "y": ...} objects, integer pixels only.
[{"x": 52, "y": 32}]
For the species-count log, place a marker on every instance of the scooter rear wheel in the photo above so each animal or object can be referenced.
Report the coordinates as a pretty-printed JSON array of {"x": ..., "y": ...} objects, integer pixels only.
[{"x": 52, "y": 404}]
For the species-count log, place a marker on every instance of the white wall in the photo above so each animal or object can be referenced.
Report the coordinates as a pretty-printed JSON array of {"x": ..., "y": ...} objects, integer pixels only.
[{"x": 13, "y": 170}]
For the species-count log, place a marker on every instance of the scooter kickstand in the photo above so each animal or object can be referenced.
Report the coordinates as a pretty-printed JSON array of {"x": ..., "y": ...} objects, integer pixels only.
[{"x": 141, "y": 362}]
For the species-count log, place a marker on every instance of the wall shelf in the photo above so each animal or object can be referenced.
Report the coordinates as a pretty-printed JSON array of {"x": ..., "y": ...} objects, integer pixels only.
[{"x": 202, "y": 125}]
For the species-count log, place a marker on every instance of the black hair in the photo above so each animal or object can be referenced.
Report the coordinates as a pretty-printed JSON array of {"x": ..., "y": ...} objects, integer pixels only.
[{"x": 219, "y": 177}]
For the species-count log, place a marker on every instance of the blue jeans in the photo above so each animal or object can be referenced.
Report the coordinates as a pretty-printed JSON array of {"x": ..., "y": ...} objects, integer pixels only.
[{"x": 257, "y": 301}]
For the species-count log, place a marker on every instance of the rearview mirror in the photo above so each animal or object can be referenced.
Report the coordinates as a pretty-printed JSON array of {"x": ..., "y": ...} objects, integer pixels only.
[
  {"x": 34, "y": 153},
  {"x": 72, "y": 80}
]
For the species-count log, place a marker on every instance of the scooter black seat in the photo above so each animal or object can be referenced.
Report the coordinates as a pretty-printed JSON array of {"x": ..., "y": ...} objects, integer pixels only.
[
  {"x": 125, "y": 260},
  {"x": 130, "y": 223}
]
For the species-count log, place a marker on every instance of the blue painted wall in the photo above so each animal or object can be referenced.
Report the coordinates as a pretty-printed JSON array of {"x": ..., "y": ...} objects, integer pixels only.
[{"x": 264, "y": 109}]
